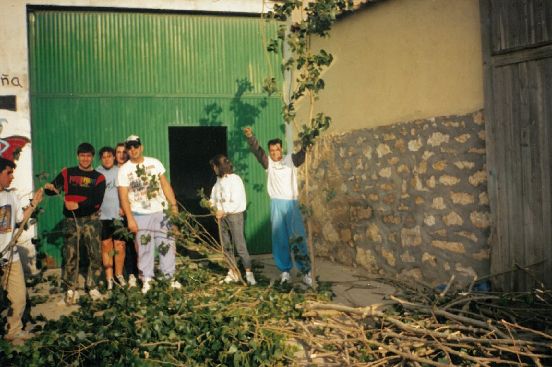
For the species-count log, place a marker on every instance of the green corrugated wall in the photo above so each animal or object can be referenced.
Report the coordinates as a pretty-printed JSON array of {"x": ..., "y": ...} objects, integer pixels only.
[{"x": 99, "y": 76}]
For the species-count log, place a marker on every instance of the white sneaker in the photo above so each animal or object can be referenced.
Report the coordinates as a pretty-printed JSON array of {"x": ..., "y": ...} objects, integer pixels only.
[
  {"x": 110, "y": 284},
  {"x": 121, "y": 280},
  {"x": 250, "y": 278},
  {"x": 71, "y": 297},
  {"x": 176, "y": 284},
  {"x": 146, "y": 285},
  {"x": 285, "y": 277},
  {"x": 132, "y": 281},
  {"x": 307, "y": 279},
  {"x": 231, "y": 277},
  {"x": 95, "y": 294}
]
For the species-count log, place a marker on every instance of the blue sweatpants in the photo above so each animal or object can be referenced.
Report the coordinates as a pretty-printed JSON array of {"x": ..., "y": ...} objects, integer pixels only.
[{"x": 287, "y": 227}]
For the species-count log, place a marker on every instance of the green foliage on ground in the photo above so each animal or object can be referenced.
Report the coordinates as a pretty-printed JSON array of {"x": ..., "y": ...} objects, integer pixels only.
[{"x": 203, "y": 324}]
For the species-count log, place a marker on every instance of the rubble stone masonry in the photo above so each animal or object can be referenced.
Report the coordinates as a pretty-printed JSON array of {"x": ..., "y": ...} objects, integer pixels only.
[{"x": 408, "y": 200}]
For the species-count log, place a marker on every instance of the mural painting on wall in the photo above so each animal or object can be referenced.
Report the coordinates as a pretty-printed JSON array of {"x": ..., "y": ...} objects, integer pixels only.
[{"x": 10, "y": 146}]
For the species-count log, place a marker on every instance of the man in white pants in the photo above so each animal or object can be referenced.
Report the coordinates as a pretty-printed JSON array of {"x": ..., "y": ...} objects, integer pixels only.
[{"x": 144, "y": 193}]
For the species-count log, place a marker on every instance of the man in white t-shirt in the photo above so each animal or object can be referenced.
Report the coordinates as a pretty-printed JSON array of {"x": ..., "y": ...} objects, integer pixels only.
[
  {"x": 288, "y": 231},
  {"x": 145, "y": 193},
  {"x": 12, "y": 279}
]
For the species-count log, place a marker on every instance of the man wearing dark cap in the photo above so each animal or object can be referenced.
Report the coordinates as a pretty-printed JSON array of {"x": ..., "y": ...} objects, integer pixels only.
[
  {"x": 145, "y": 193},
  {"x": 84, "y": 189}
]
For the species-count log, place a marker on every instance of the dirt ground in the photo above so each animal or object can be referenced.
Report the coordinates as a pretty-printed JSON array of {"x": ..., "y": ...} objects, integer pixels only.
[{"x": 351, "y": 287}]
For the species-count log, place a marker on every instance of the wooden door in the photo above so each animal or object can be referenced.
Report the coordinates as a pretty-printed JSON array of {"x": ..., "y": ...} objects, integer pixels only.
[{"x": 517, "y": 52}]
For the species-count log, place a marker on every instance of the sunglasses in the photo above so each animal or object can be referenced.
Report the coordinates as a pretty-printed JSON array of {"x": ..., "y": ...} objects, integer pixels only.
[{"x": 132, "y": 144}]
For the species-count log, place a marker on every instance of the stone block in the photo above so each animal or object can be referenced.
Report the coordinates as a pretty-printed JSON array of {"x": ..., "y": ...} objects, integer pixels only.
[
  {"x": 329, "y": 233},
  {"x": 431, "y": 182},
  {"x": 482, "y": 135},
  {"x": 393, "y": 160},
  {"x": 389, "y": 257},
  {"x": 480, "y": 151},
  {"x": 391, "y": 219},
  {"x": 387, "y": 187},
  {"x": 406, "y": 257},
  {"x": 415, "y": 273},
  {"x": 453, "y": 219},
  {"x": 373, "y": 233},
  {"x": 415, "y": 145},
  {"x": 462, "y": 138},
  {"x": 367, "y": 152},
  {"x": 366, "y": 259},
  {"x": 483, "y": 254},
  {"x": 429, "y": 259},
  {"x": 411, "y": 237},
  {"x": 466, "y": 271},
  {"x": 361, "y": 212},
  {"x": 400, "y": 145},
  {"x": 478, "y": 118},
  {"x": 389, "y": 136},
  {"x": 456, "y": 247},
  {"x": 439, "y": 233},
  {"x": 429, "y": 220},
  {"x": 464, "y": 164},
  {"x": 385, "y": 172},
  {"x": 418, "y": 200},
  {"x": 427, "y": 154},
  {"x": 389, "y": 199},
  {"x": 448, "y": 180},
  {"x": 373, "y": 197},
  {"x": 480, "y": 219},
  {"x": 345, "y": 235},
  {"x": 436, "y": 139},
  {"x": 483, "y": 198},
  {"x": 439, "y": 165},
  {"x": 382, "y": 150},
  {"x": 422, "y": 167},
  {"x": 469, "y": 235},
  {"x": 462, "y": 198},
  {"x": 403, "y": 168},
  {"x": 478, "y": 178},
  {"x": 438, "y": 203}
]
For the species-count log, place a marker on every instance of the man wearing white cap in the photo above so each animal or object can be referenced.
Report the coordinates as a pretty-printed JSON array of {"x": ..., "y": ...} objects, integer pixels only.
[{"x": 145, "y": 193}]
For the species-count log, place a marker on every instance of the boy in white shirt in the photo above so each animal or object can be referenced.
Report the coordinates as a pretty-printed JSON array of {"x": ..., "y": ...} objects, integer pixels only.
[
  {"x": 228, "y": 197},
  {"x": 288, "y": 230}
]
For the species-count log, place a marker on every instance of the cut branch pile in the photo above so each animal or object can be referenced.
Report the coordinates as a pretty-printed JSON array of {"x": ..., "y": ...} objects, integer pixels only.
[{"x": 479, "y": 329}]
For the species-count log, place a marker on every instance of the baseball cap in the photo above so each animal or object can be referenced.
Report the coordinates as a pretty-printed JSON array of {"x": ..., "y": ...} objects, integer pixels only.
[{"x": 133, "y": 139}]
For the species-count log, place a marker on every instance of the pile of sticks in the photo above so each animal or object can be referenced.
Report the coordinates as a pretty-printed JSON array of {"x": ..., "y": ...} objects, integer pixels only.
[{"x": 428, "y": 329}]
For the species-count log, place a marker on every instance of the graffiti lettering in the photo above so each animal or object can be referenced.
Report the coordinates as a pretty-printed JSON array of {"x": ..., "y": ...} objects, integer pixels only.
[
  {"x": 13, "y": 81},
  {"x": 11, "y": 146}
]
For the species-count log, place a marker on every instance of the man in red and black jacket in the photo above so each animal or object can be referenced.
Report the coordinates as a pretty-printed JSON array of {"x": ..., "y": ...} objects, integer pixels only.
[{"x": 84, "y": 189}]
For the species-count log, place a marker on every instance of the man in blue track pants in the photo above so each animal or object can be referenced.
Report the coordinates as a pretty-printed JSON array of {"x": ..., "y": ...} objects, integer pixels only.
[{"x": 288, "y": 231}]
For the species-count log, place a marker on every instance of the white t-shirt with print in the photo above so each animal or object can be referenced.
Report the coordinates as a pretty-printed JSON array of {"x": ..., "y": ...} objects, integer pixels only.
[
  {"x": 138, "y": 186},
  {"x": 10, "y": 213},
  {"x": 282, "y": 179}
]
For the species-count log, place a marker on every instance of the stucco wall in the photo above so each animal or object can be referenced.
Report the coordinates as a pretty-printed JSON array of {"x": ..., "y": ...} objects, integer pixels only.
[{"x": 401, "y": 60}]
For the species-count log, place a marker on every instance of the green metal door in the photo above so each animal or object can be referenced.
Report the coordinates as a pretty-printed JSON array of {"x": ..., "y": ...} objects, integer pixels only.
[{"x": 99, "y": 76}]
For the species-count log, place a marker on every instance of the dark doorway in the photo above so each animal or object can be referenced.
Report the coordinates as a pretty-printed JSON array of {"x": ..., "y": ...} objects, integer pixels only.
[{"x": 190, "y": 150}]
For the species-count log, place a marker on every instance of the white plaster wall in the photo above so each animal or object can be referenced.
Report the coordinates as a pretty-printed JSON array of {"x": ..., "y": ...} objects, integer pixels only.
[{"x": 14, "y": 73}]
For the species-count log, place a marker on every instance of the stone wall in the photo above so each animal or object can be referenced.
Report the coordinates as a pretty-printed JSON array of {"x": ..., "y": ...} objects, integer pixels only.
[{"x": 408, "y": 199}]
